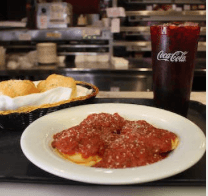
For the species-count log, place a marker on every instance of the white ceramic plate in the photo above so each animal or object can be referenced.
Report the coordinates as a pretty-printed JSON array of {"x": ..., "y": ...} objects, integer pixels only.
[{"x": 36, "y": 140}]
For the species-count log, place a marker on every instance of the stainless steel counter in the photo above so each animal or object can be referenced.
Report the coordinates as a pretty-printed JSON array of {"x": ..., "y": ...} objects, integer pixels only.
[{"x": 137, "y": 76}]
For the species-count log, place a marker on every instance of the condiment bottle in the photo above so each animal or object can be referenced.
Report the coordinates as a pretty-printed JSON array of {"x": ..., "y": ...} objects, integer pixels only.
[{"x": 31, "y": 14}]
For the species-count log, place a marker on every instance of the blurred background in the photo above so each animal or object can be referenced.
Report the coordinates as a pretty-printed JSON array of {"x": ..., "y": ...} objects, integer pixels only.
[{"x": 104, "y": 42}]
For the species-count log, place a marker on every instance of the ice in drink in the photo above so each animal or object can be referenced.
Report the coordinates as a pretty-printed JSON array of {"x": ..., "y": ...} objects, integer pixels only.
[{"x": 174, "y": 48}]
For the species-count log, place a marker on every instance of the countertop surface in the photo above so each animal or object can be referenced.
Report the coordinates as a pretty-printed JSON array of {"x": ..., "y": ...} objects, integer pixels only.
[
  {"x": 195, "y": 96},
  {"x": 23, "y": 189}
]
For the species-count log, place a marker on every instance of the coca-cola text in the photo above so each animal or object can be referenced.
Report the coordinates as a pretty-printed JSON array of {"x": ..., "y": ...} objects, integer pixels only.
[{"x": 178, "y": 56}]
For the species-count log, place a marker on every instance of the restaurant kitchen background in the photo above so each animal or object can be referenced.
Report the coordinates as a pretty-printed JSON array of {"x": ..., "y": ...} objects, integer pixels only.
[{"x": 103, "y": 42}]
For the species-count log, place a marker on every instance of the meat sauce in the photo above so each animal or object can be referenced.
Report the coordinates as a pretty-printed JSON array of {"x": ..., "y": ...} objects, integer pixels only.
[{"x": 120, "y": 143}]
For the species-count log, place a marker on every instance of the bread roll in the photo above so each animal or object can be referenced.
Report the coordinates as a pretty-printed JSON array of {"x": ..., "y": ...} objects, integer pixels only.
[
  {"x": 14, "y": 88},
  {"x": 54, "y": 81}
]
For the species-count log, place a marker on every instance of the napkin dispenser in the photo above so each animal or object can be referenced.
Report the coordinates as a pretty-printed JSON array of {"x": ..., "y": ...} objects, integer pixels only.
[{"x": 54, "y": 15}]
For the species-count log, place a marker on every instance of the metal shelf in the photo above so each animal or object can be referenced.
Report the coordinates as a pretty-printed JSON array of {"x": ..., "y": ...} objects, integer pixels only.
[
  {"x": 60, "y": 46},
  {"x": 82, "y": 46},
  {"x": 136, "y": 30},
  {"x": 73, "y": 33},
  {"x": 166, "y": 1},
  {"x": 146, "y": 30},
  {"x": 83, "y": 53},
  {"x": 70, "y": 41},
  {"x": 135, "y": 16},
  {"x": 146, "y": 45},
  {"x": 134, "y": 46},
  {"x": 166, "y": 13}
]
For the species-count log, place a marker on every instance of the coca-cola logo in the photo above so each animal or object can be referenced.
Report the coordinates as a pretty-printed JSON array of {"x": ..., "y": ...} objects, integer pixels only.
[{"x": 178, "y": 56}]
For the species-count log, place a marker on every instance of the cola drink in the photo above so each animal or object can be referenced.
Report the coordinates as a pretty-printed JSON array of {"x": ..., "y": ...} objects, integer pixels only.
[{"x": 174, "y": 48}]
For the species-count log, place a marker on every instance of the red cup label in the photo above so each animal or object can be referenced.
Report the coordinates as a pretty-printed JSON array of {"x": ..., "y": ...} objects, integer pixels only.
[{"x": 178, "y": 56}]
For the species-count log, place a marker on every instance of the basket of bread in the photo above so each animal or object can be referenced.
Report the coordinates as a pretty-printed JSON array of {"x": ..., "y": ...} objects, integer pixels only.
[{"x": 23, "y": 101}]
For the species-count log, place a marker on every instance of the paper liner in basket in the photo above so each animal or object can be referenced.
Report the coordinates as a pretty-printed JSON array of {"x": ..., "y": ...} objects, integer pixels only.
[{"x": 20, "y": 118}]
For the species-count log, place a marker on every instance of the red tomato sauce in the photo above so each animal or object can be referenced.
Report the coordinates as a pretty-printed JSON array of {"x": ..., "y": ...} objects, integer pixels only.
[{"x": 120, "y": 143}]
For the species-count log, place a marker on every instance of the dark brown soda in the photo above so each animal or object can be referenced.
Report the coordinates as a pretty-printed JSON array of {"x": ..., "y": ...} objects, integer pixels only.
[{"x": 174, "y": 50}]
